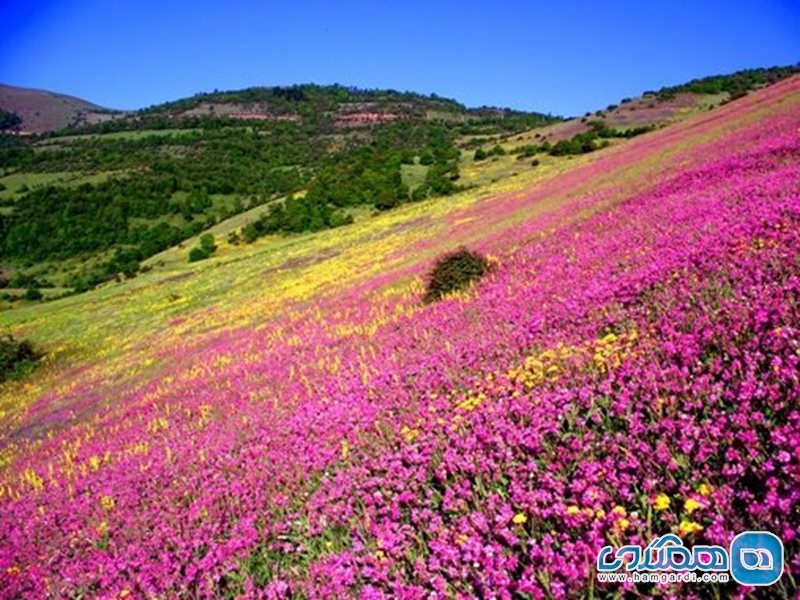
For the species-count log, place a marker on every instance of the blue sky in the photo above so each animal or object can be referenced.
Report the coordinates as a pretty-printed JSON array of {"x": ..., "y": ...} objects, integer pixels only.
[{"x": 558, "y": 56}]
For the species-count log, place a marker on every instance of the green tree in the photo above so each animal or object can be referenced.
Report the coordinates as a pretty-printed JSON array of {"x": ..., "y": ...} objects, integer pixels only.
[
  {"x": 340, "y": 218},
  {"x": 196, "y": 254},
  {"x": 9, "y": 120},
  {"x": 420, "y": 193},
  {"x": 207, "y": 243},
  {"x": 250, "y": 233},
  {"x": 17, "y": 357},
  {"x": 33, "y": 294}
]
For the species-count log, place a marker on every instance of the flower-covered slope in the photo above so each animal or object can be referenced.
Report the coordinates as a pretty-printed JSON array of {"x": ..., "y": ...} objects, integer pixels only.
[{"x": 628, "y": 368}]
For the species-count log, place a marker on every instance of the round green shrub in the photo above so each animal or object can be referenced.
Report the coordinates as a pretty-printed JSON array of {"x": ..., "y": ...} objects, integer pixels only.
[
  {"x": 454, "y": 271},
  {"x": 196, "y": 254},
  {"x": 33, "y": 294},
  {"x": 17, "y": 357}
]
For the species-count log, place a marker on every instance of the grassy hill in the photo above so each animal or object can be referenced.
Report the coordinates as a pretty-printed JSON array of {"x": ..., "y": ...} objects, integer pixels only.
[
  {"x": 41, "y": 111},
  {"x": 288, "y": 417},
  {"x": 95, "y": 201},
  {"x": 91, "y": 203}
]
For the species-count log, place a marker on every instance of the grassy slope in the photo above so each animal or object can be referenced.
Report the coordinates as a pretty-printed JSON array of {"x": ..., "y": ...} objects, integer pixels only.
[
  {"x": 105, "y": 331},
  {"x": 322, "y": 103},
  {"x": 59, "y": 272},
  {"x": 15, "y": 181}
]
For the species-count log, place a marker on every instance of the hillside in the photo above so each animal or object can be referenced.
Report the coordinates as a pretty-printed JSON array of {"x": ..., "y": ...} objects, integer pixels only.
[
  {"x": 97, "y": 202},
  {"x": 339, "y": 106},
  {"x": 288, "y": 418},
  {"x": 90, "y": 204},
  {"x": 42, "y": 111}
]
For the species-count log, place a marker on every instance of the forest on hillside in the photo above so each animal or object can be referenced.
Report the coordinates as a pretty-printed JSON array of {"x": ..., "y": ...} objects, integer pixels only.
[{"x": 151, "y": 181}]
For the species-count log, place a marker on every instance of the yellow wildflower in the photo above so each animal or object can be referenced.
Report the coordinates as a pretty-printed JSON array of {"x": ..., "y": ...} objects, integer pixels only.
[
  {"x": 205, "y": 413},
  {"x": 471, "y": 402},
  {"x": 520, "y": 519},
  {"x": 573, "y": 510},
  {"x": 661, "y": 502},
  {"x": 609, "y": 338},
  {"x": 158, "y": 424},
  {"x": 691, "y": 505},
  {"x": 107, "y": 502},
  {"x": 102, "y": 528},
  {"x": 704, "y": 489},
  {"x": 409, "y": 434},
  {"x": 345, "y": 450},
  {"x": 619, "y": 510},
  {"x": 36, "y": 482},
  {"x": 622, "y": 524},
  {"x": 547, "y": 356},
  {"x": 689, "y": 527}
]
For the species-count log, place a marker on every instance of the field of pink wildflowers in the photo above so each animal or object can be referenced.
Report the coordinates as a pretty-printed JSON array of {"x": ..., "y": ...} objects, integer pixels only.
[{"x": 628, "y": 368}]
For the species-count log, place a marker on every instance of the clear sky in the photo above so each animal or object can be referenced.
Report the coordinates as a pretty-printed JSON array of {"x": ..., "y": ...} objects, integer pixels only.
[{"x": 565, "y": 57}]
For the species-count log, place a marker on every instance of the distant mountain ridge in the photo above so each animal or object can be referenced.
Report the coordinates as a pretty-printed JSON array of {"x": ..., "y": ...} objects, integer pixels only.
[
  {"x": 335, "y": 105},
  {"x": 328, "y": 107},
  {"x": 339, "y": 106},
  {"x": 42, "y": 110}
]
